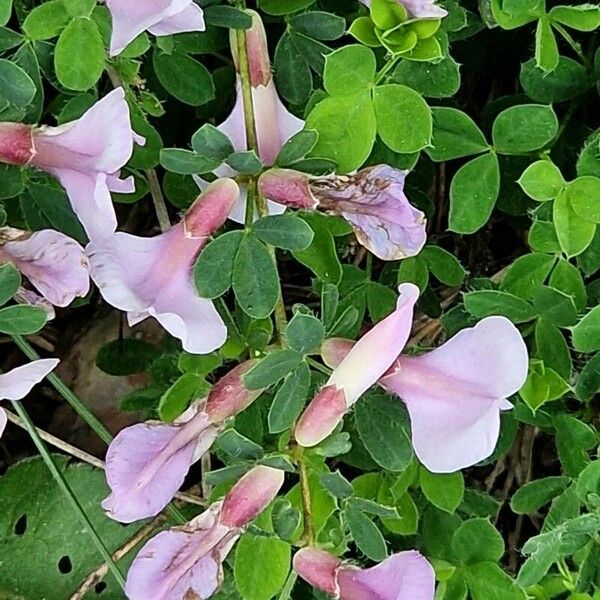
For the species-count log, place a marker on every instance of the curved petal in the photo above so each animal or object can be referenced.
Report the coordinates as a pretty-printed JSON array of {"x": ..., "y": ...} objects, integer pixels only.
[
  {"x": 131, "y": 17},
  {"x": 54, "y": 263},
  {"x": 319, "y": 568},
  {"x": 189, "y": 19},
  {"x": 424, "y": 9},
  {"x": 3, "y": 421},
  {"x": 403, "y": 575},
  {"x": 182, "y": 562},
  {"x": 455, "y": 393},
  {"x": 147, "y": 463},
  {"x": 16, "y": 384}
]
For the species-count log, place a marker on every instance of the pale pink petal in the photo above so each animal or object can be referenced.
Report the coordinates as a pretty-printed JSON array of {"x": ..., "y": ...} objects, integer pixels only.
[
  {"x": 132, "y": 17},
  {"x": 16, "y": 384},
  {"x": 3, "y": 421},
  {"x": 147, "y": 463},
  {"x": 366, "y": 362},
  {"x": 454, "y": 394},
  {"x": 183, "y": 562},
  {"x": 189, "y": 19},
  {"x": 251, "y": 495},
  {"x": 120, "y": 186},
  {"x": 319, "y": 568},
  {"x": 404, "y": 575},
  {"x": 420, "y": 9},
  {"x": 16, "y": 143},
  {"x": 54, "y": 263},
  {"x": 334, "y": 350},
  {"x": 25, "y": 296}
]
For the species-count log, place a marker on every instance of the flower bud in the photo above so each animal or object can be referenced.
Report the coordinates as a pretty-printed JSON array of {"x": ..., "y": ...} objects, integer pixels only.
[
  {"x": 287, "y": 187},
  {"x": 16, "y": 143},
  {"x": 258, "y": 51},
  {"x": 319, "y": 568}
]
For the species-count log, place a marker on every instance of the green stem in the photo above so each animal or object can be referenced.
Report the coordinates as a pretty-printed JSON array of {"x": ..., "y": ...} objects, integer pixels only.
[
  {"x": 158, "y": 199},
  {"x": 318, "y": 366},
  {"x": 286, "y": 591},
  {"x": 76, "y": 404},
  {"x": 67, "y": 491},
  {"x": 576, "y": 46},
  {"x": 309, "y": 528},
  {"x": 389, "y": 65}
]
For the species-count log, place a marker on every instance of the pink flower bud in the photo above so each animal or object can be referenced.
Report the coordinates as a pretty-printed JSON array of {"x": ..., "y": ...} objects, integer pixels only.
[
  {"x": 229, "y": 395},
  {"x": 251, "y": 495},
  {"x": 16, "y": 143},
  {"x": 258, "y": 51},
  {"x": 319, "y": 568},
  {"x": 287, "y": 187},
  {"x": 211, "y": 208}
]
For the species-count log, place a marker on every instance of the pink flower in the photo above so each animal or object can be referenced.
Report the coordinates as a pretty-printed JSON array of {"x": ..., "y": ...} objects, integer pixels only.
[
  {"x": 275, "y": 125},
  {"x": 130, "y": 18},
  {"x": 16, "y": 384},
  {"x": 406, "y": 575},
  {"x": 366, "y": 362},
  {"x": 147, "y": 463},
  {"x": 455, "y": 393},
  {"x": 372, "y": 201},
  {"x": 85, "y": 156},
  {"x": 183, "y": 563},
  {"x": 54, "y": 263},
  {"x": 419, "y": 9},
  {"x": 152, "y": 277}
]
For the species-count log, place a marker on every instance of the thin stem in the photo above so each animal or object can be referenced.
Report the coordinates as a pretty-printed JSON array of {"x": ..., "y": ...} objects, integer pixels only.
[
  {"x": 318, "y": 366},
  {"x": 576, "y": 46},
  {"x": 67, "y": 491},
  {"x": 76, "y": 404},
  {"x": 244, "y": 67},
  {"x": 286, "y": 591},
  {"x": 309, "y": 528},
  {"x": 390, "y": 64},
  {"x": 159, "y": 200}
]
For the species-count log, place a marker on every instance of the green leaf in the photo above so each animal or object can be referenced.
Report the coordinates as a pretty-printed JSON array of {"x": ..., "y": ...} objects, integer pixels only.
[
  {"x": 5, "y": 11},
  {"x": 366, "y": 534},
  {"x": 542, "y": 181},
  {"x": 126, "y": 356},
  {"x": 272, "y": 368},
  {"x": 337, "y": 485},
  {"x": 184, "y": 77},
  {"x": 255, "y": 280},
  {"x": 213, "y": 271},
  {"x": 567, "y": 278},
  {"x": 297, "y": 147},
  {"x": 40, "y": 531},
  {"x": 555, "y": 306},
  {"x": 527, "y": 274},
  {"x": 178, "y": 397},
  {"x": 261, "y": 566},
  {"x": 588, "y": 382},
  {"x": 455, "y": 135},
  {"x": 445, "y": 267},
  {"x": 283, "y": 7},
  {"x": 404, "y": 119},
  {"x": 585, "y": 17},
  {"x": 533, "y": 495},
  {"x": 304, "y": 333},
  {"x": 46, "y": 21},
  {"x": 321, "y": 256},
  {"x": 289, "y": 399},
  {"x": 292, "y": 71},
  {"x": 487, "y": 581},
  {"x": 473, "y": 194},
  {"x": 432, "y": 80},
  {"x": 10, "y": 280},
  {"x": 383, "y": 427},
  {"x": 228, "y": 17},
  {"x": 16, "y": 86},
  {"x": 285, "y": 518},
  {"x": 285, "y": 231},
  {"x": 185, "y": 162},
  {"x": 586, "y": 334},
  {"x": 349, "y": 70},
  {"x": 542, "y": 385},
  {"x": 319, "y": 25},
  {"x": 79, "y": 57},
  {"x": 524, "y": 128},
  {"x": 546, "y": 48},
  {"x": 79, "y": 8},
  {"x": 211, "y": 143},
  {"x": 542, "y": 237},
  {"x": 238, "y": 446},
  {"x": 485, "y": 303},
  {"x": 574, "y": 233},
  {"x": 443, "y": 490},
  {"x": 22, "y": 320},
  {"x": 347, "y": 127},
  {"x": 573, "y": 439},
  {"x": 477, "y": 540},
  {"x": 552, "y": 348},
  {"x": 567, "y": 80},
  {"x": 584, "y": 197},
  {"x": 246, "y": 162}
]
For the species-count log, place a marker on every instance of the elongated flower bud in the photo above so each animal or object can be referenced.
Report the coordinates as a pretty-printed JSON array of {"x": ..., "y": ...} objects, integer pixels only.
[
  {"x": 16, "y": 143},
  {"x": 211, "y": 208},
  {"x": 258, "y": 51}
]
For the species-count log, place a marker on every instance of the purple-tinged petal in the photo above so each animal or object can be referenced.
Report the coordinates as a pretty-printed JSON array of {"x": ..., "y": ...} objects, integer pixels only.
[
  {"x": 403, "y": 575},
  {"x": 16, "y": 384},
  {"x": 183, "y": 563},
  {"x": 16, "y": 143},
  {"x": 251, "y": 495},
  {"x": 366, "y": 362},
  {"x": 147, "y": 463},
  {"x": 189, "y": 19},
  {"x": 419, "y": 9},
  {"x": 54, "y": 263},
  {"x": 3, "y": 421},
  {"x": 229, "y": 396},
  {"x": 25, "y": 296},
  {"x": 152, "y": 276},
  {"x": 454, "y": 394},
  {"x": 319, "y": 568}
]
